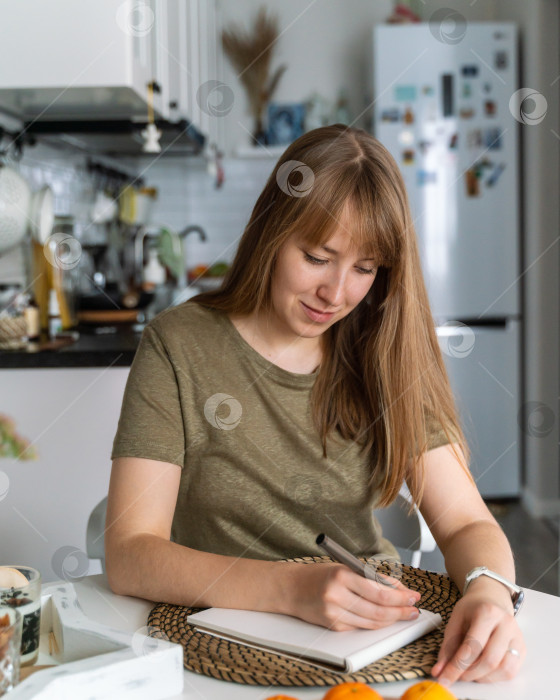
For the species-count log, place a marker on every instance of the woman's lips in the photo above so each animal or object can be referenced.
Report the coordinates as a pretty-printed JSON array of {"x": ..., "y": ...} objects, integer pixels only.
[{"x": 318, "y": 316}]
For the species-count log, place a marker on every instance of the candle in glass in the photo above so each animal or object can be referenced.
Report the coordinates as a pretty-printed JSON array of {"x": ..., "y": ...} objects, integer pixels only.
[
  {"x": 20, "y": 588},
  {"x": 10, "y": 645}
]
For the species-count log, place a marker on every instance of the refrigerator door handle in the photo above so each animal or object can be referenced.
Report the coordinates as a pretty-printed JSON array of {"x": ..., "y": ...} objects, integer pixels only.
[{"x": 447, "y": 95}]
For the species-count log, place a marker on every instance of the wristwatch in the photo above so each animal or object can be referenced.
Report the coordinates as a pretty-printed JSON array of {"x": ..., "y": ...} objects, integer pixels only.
[{"x": 517, "y": 593}]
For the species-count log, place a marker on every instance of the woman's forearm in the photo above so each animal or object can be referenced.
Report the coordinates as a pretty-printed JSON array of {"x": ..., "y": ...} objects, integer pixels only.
[
  {"x": 480, "y": 543},
  {"x": 150, "y": 567}
]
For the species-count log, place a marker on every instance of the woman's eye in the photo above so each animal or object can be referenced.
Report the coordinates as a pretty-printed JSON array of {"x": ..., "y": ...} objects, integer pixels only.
[
  {"x": 367, "y": 271},
  {"x": 315, "y": 261}
]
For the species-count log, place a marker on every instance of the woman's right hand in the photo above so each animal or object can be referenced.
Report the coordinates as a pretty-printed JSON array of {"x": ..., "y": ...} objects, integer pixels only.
[{"x": 333, "y": 596}]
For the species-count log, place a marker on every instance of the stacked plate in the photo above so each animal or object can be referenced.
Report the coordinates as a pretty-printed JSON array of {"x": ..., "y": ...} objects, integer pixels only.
[{"x": 21, "y": 210}]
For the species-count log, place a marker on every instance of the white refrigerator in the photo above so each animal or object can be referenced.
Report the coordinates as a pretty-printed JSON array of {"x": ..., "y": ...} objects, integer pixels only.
[{"x": 441, "y": 107}]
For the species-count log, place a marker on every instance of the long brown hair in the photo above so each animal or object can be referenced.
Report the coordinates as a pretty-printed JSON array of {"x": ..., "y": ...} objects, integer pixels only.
[{"x": 382, "y": 381}]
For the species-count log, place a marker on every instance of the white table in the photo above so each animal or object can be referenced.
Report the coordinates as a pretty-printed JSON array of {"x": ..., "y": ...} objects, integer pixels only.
[{"x": 539, "y": 619}]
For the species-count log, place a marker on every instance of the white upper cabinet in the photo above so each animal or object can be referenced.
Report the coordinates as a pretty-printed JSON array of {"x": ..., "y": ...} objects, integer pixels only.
[{"x": 94, "y": 59}]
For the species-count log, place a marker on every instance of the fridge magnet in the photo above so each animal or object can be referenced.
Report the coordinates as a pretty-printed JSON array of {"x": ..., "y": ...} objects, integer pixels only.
[
  {"x": 474, "y": 175},
  {"x": 500, "y": 60},
  {"x": 405, "y": 93},
  {"x": 472, "y": 183},
  {"x": 474, "y": 138},
  {"x": 493, "y": 139},
  {"x": 426, "y": 177},
  {"x": 285, "y": 122},
  {"x": 495, "y": 175},
  {"x": 466, "y": 90},
  {"x": 428, "y": 90},
  {"x": 453, "y": 140},
  {"x": 408, "y": 116},
  {"x": 424, "y": 146},
  {"x": 466, "y": 113},
  {"x": 490, "y": 108},
  {"x": 408, "y": 156},
  {"x": 483, "y": 163},
  {"x": 469, "y": 71},
  {"x": 390, "y": 115},
  {"x": 406, "y": 137},
  {"x": 487, "y": 87}
]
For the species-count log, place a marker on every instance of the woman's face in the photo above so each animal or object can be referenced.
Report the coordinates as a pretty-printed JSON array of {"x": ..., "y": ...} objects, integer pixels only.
[{"x": 314, "y": 287}]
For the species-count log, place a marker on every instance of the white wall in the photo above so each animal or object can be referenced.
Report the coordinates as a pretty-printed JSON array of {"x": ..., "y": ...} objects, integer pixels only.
[
  {"x": 478, "y": 11},
  {"x": 325, "y": 44}
]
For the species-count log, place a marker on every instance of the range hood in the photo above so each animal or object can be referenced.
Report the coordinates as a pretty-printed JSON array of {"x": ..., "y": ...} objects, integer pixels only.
[{"x": 120, "y": 137}]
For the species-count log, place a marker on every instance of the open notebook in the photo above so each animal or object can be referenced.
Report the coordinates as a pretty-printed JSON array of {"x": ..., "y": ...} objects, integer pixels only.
[{"x": 345, "y": 652}]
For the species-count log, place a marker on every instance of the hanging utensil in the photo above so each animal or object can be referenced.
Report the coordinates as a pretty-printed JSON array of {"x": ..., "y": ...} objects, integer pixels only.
[
  {"x": 170, "y": 250},
  {"x": 15, "y": 201},
  {"x": 42, "y": 214}
]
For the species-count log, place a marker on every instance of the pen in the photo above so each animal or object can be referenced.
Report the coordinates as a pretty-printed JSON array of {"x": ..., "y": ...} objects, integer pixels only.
[{"x": 342, "y": 555}]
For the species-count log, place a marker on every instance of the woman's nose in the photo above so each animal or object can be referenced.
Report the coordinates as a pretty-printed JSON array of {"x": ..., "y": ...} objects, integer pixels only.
[{"x": 331, "y": 291}]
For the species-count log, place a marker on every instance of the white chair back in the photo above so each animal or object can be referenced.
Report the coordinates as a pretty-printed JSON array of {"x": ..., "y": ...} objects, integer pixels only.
[{"x": 406, "y": 531}]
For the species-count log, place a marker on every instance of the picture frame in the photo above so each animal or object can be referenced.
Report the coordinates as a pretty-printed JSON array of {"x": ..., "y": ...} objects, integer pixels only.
[{"x": 285, "y": 122}]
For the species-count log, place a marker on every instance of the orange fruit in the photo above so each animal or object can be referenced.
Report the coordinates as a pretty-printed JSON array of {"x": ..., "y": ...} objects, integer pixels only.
[
  {"x": 352, "y": 691},
  {"x": 427, "y": 690}
]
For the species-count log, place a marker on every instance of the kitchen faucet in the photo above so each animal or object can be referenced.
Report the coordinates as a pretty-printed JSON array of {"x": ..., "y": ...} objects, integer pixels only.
[
  {"x": 194, "y": 229},
  {"x": 155, "y": 231}
]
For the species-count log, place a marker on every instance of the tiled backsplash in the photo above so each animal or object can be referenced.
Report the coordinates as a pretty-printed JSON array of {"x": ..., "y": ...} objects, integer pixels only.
[{"x": 186, "y": 195}]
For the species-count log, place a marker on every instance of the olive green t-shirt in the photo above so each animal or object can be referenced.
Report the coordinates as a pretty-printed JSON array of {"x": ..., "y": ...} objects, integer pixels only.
[{"x": 254, "y": 481}]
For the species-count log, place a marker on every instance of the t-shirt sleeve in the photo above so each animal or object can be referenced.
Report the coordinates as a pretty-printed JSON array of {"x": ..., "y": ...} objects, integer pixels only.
[
  {"x": 150, "y": 423},
  {"x": 435, "y": 433}
]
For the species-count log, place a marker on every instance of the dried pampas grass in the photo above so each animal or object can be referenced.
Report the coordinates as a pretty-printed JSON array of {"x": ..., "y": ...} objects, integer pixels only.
[{"x": 251, "y": 54}]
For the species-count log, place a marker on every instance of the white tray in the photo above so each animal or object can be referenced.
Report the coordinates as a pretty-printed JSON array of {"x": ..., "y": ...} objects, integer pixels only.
[{"x": 95, "y": 661}]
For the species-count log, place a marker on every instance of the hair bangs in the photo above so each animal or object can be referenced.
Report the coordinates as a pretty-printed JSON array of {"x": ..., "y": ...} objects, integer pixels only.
[
  {"x": 319, "y": 218},
  {"x": 373, "y": 232}
]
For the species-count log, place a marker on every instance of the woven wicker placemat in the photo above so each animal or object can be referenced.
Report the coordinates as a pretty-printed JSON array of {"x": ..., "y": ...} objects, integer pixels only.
[{"x": 229, "y": 661}]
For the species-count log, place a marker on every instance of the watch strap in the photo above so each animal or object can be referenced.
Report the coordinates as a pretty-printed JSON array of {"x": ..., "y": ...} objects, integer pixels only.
[{"x": 517, "y": 593}]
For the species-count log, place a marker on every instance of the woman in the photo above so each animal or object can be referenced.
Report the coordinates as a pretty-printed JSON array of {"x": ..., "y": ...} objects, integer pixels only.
[{"x": 291, "y": 402}]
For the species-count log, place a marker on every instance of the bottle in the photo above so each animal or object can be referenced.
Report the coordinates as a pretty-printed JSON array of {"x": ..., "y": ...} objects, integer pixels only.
[
  {"x": 341, "y": 112},
  {"x": 55, "y": 321},
  {"x": 32, "y": 320},
  {"x": 154, "y": 272}
]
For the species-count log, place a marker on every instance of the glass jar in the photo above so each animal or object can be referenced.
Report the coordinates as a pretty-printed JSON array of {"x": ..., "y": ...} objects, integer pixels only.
[{"x": 26, "y": 599}]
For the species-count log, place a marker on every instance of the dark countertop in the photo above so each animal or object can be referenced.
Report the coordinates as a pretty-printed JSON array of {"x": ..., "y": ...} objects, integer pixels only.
[{"x": 93, "y": 348}]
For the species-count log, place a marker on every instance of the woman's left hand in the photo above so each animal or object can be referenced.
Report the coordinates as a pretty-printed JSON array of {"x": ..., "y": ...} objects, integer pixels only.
[{"x": 482, "y": 640}]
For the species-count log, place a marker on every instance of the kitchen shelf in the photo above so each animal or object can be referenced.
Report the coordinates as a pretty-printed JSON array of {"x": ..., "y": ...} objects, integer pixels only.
[
  {"x": 259, "y": 151},
  {"x": 120, "y": 137}
]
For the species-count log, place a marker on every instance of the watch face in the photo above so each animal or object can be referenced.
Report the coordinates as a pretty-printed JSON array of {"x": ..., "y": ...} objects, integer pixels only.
[{"x": 517, "y": 601}]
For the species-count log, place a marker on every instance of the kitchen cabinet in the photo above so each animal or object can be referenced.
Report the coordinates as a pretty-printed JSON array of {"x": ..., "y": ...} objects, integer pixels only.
[
  {"x": 70, "y": 416},
  {"x": 94, "y": 59},
  {"x": 191, "y": 46}
]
